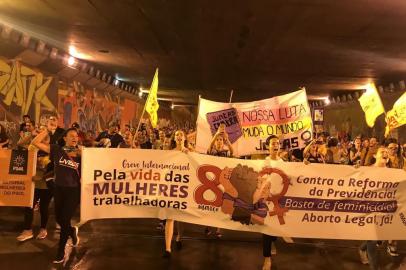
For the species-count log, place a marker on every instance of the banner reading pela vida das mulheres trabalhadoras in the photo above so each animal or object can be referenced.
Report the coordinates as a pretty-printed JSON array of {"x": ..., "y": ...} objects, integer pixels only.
[{"x": 277, "y": 198}]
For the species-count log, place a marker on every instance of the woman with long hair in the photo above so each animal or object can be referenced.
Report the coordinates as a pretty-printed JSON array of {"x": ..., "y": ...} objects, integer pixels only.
[
  {"x": 67, "y": 163},
  {"x": 41, "y": 194},
  {"x": 355, "y": 152},
  {"x": 221, "y": 147},
  {"x": 396, "y": 161},
  {"x": 178, "y": 144},
  {"x": 368, "y": 250},
  {"x": 268, "y": 240},
  {"x": 311, "y": 153}
]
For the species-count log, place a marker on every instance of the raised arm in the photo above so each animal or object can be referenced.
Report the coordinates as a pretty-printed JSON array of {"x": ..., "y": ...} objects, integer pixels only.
[
  {"x": 24, "y": 140},
  {"x": 212, "y": 143},
  {"x": 230, "y": 146},
  {"x": 307, "y": 148},
  {"x": 38, "y": 142},
  {"x": 4, "y": 143}
]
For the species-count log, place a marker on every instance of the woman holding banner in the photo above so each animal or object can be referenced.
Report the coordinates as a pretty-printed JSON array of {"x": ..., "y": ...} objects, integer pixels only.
[
  {"x": 179, "y": 144},
  {"x": 67, "y": 162},
  {"x": 368, "y": 250},
  {"x": 217, "y": 148},
  {"x": 268, "y": 240},
  {"x": 218, "y": 143},
  {"x": 396, "y": 161}
]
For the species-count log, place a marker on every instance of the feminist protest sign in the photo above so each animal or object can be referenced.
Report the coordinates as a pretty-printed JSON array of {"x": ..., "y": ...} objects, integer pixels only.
[
  {"x": 249, "y": 125},
  {"x": 277, "y": 198},
  {"x": 16, "y": 172}
]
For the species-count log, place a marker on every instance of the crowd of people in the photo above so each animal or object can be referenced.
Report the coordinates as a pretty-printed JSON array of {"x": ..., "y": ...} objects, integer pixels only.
[{"x": 59, "y": 162}]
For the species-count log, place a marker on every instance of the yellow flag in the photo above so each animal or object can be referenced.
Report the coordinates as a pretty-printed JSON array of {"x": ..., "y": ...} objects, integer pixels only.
[
  {"x": 397, "y": 116},
  {"x": 371, "y": 104},
  {"x": 152, "y": 106}
]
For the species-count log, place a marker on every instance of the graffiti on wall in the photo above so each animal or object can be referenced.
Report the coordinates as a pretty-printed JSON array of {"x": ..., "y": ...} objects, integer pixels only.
[
  {"x": 91, "y": 109},
  {"x": 25, "y": 88}
]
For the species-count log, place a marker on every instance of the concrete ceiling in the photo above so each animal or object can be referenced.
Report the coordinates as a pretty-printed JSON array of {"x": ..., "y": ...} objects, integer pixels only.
[{"x": 258, "y": 48}]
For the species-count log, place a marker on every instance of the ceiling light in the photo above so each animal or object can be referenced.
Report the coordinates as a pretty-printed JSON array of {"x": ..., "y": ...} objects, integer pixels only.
[
  {"x": 72, "y": 50},
  {"x": 140, "y": 94},
  {"x": 327, "y": 101},
  {"x": 173, "y": 106},
  {"x": 75, "y": 53},
  {"x": 71, "y": 61}
]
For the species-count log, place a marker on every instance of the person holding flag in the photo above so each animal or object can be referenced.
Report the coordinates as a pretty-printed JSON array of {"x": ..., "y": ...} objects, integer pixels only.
[{"x": 151, "y": 106}]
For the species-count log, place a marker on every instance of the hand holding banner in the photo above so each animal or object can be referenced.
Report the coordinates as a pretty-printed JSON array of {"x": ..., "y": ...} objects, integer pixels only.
[
  {"x": 16, "y": 185},
  {"x": 250, "y": 124},
  {"x": 271, "y": 197}
]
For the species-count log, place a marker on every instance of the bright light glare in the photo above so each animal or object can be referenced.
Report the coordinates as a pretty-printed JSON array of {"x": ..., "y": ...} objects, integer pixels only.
[
  {"x": 327, "y": 101},
  {"x": 75, "y": 53},
  {"x": 72, "y": 50},
  {"x": 71, "y": 61},
  {"x": 370, "y": 88}
]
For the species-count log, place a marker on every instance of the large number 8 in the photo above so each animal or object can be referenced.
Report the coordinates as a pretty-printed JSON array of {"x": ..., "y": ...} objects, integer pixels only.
[{"x": 208, "y": 184}]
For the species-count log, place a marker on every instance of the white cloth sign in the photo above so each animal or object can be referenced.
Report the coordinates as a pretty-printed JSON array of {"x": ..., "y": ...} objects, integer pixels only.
[
  {"x": 277, "y": 198},
  {"x": 250, "y": 124}
]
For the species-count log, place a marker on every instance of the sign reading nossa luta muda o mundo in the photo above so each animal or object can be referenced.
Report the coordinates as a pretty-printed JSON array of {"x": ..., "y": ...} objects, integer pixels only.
[
  {"x": 250, "y": 125},
  {"x": 277, "y": 198},
  {"x": 16, "y": 171}
]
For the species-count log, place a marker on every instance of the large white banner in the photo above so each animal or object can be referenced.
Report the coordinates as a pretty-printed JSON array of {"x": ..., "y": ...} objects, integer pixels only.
[
  {"x": 277, "y": 198},
  {"x": 250, "y": 124}
]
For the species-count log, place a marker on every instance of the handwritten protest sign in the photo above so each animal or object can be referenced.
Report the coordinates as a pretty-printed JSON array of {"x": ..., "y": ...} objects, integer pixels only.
[{"x": 249, "y": 125}]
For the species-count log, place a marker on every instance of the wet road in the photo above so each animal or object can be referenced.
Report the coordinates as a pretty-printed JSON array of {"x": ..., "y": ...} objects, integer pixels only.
[{"x": 137, "y": 244}]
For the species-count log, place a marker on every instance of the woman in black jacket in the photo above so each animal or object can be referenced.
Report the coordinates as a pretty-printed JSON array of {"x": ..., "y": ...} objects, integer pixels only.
[{"x": 67, "y": 162}]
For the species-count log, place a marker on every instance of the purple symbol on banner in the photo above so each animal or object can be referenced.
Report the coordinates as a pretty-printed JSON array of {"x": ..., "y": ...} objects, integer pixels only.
[{"x": 229, "y": 117}]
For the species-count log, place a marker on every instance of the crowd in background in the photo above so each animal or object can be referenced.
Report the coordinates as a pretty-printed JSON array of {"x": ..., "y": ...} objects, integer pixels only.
[
  {"x": 344, "y": 150},
  {"x": 323, "y": 149}
]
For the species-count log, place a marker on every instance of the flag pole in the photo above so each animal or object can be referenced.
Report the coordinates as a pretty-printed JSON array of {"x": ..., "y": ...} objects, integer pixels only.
[
  {"x": 143, "y": 110},
  {"x": 198, "y": 109},
  {"x": 142, "y": 114},
  {"x": 231, "y": 95}
]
